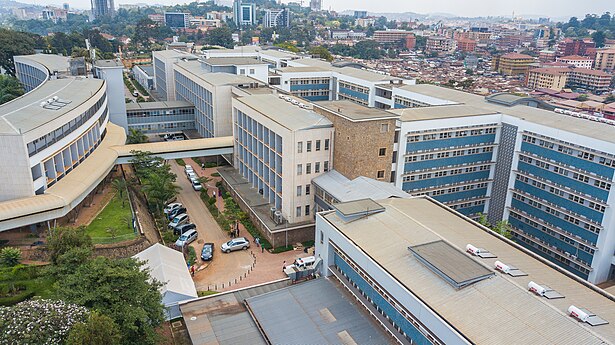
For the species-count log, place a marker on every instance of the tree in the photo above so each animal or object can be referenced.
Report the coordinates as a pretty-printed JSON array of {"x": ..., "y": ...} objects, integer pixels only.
[
  {"x": 14, "y": 43},
  {"x": 503, "y": 228},
  {"x": 159, "y": 189},
  {"x": 119, "y": 186},
  {"x": 64, "y": 239},
  {"x": 599, "y": 38},
  {"x": 582, "y": 98},
  {"x": 121, "y": 290},
  {"x": 136, "y": 136},
  {"x": 39, "y": 321},
  {"x": 10, "y": 88},
  {"x": 367, "y": 50},
  {"x": 321, "y": 52},
  {"x": 98, "y": 330},
  {"x": 288, "y": 46},
  {"x": 10, "y": 256},
  {"x": 610, "y": 98},
  {"x": 221, "y": 36},
  {"x": 482, "y": 220}
]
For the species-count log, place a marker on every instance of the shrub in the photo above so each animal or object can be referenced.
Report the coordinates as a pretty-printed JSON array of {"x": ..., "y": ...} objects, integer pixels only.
[
  {"x": 10, "y": 256},
  {"x": 211, "y": 165},
  {"x": 216, "y": 174},
  {"x": 180, "y": 162},
  {"x": 282, "y": 249},
  {"x": 191, "y": 255}
]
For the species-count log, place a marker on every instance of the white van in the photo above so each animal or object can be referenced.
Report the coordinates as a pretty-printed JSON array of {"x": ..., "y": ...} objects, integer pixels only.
[{"x": 304, "y": 263}]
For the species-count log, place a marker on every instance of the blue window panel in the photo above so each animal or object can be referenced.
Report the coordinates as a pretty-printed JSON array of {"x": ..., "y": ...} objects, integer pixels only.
[
  {"x": 405, "y": 325},
  {"x": 353, "y": 93},
  {"x": 309, "y": 87},
  {"x": 564, "y": 181},
  {"x": 317, "y": 98},
  {"x": 468, "y": 194},
  {"x": 561, "y": 264},
  {"x": 399, "y": 106},
  {"x": 544, "y": 236},
  {"x": 557, "y": 200},
  {"x": 433, "y": 163},
  {"x": 471, "y": 210},
  {"x": 439, "y": 181},
  {"x": 549, "y": 218},
  {"x": 580, "y": 163},
  {"x": 450, "y": 142}
]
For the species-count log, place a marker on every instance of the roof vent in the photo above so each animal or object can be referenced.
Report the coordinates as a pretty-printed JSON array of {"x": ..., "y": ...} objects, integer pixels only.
[
  {"x": 509, "y": 269},
  {"x": 543, "y": 291},
  {"x": 585, "y": 315},
  {"x": 480, "y": 252}
]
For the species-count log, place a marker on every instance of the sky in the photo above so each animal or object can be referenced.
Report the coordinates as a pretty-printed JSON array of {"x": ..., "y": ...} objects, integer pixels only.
[{"x": 470, "y": 8}]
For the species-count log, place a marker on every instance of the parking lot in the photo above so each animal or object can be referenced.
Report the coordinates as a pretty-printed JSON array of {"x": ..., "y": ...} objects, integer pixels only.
[{"x": 252, "y": 265}]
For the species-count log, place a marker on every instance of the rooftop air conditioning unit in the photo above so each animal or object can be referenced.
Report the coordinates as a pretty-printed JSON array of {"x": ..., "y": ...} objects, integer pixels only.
[
  {"x": 272, "y": 213},
  {"x": 278, "y": 219}
]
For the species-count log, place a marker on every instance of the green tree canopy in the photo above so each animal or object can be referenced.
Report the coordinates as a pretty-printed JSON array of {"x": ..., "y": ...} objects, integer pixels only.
[
  {"x": 64, "y": 239},
  {"x": 136, "y": 136},
  {"x": 10, "y": 88},
  {"x": 221, "y": 36},
  {"x": 98, "y": 330},
  {"x": 121, "y": 290},
  {"x": 321, "y": 52},
  {"x": 14, "y": 43}
]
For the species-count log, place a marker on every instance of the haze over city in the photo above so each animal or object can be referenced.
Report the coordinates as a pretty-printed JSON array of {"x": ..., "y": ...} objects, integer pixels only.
[{"x": 467, "y": 8}]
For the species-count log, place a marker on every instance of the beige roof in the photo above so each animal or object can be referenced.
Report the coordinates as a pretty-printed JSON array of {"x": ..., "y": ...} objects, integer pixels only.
[
  {"x": 174, "y": 146},
  {"x": 440, "y": 112},
  {"x": 225, "y": 61},
  {"x": 194, "y": 68},
  {"x": 547, "y": 118},
  {"x": 52, "y": 62},
  {"x": 63, "y": 196},
  {"x": 354, "y": 111},
  {"x": 491, "y": 311},
  {"x": 302, "y": 69},
  {"x": 284, "y": 113}
]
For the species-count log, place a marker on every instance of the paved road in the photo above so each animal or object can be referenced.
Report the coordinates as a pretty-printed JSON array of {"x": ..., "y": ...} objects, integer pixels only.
[{"x": 224, "y": 267}]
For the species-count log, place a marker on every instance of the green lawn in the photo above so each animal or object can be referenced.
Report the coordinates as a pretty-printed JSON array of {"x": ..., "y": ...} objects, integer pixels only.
[
  {"x": 23, "y": 282},
  {"x": 112, "y": 216}
]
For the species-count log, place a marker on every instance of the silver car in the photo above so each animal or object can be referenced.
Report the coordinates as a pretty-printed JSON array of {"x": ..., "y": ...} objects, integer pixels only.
[{"x": 235, "y": 244}]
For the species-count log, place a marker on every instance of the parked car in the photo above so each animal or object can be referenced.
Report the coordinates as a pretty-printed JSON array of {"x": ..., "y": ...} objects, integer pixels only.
[
  {"x": 176, "y": 212},
  {"x": 180, "y": 230},
  {"x": 208, "y": 251},
  {"x": 192, "y": 176},
  {"x": 196, "y": 185},
  {"x": 235, "y": 244},
  {"x": 186, "y": 238},
  {"x": 179, "y": 220},
  {"x": 187, "y": 169},
  {"x": 172, "y": 207}
]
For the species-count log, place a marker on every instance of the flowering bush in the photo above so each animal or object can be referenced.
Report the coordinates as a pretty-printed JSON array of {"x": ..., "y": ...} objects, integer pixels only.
[{"x": 39, "y": 322}]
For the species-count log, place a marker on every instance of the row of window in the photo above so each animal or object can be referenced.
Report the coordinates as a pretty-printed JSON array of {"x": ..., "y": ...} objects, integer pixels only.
[
  {"x": 409, "y": 103},
  {"x": 547, "y": 249},
  {"x": 308, "y": 168},
  {"x": 309, "y": 81},
  {"x": 468, "y": 204},
  {"x": 456, "y": 189},
  {"x": 451, "y": 134},
  {"x": 311, "y": 93},
  {"x": 308, "y": 145},
  {"x": 442, "y": 173},
  {"x": 550, "y": 208},
  {"x": 446, "y": 154},
  {"x": 300, "y": 190},
  {"x": 575, "y": 152},
  {"x": 342, "y": 97},
  {"x": 566, "y": 172},
  {"x": 354, "y": 87},
  {"x": 160, "y": 112},
  {"x": 299, "y": 208}
]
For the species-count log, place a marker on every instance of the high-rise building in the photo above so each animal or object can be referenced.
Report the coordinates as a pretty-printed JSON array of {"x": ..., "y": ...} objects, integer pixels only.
[
  {"x": 316, "y": 5},
  {"x": 512, "y": 63},
  {"x": 569, "y": 46},
  {"x": 177, "y": 20},
  {"x": 276, "y": 18},
  {"x": 360, "y": 14},
  {"x": 244, "y": 13},
  {"x": 101, "y": 8},
  {"x": 605, "y": 59}
]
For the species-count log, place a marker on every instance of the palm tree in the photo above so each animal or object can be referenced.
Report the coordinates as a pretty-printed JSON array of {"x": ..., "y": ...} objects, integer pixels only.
[
  {"x": 119, "y": 186},
  {"x": 135, "y": 136},
  {"x": 10, "y": 88},
  {"x": 159, "y": 188}
]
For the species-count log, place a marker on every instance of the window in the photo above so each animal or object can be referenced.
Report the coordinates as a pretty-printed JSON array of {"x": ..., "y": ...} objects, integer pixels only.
[
  {"x": 308, "y": 168},
  {"x": 316, "y": 167},
  {"x": 299, "y": 169},
  {"x": 309, "y": 146},
  {"x": 307, "y": 189},
  {"x": 322, "y": 237},
  {"x": 317, "y": 145},
  {"x": 298, "y": 211},
  {"x": 382, "y": 152},
  {"x": 300, "y": 147},
  {"x": 251, "y": 70},
  {"x": 326, "y": 168},
  {"x": 326, "y": 144},
  {"x": 380, "y": 174},
  {"x": 307, "y": 210},
  {"x": 298, "y": 190},
  {"x": 384, "y": 127},
  {"x": 242, "y": 71}
]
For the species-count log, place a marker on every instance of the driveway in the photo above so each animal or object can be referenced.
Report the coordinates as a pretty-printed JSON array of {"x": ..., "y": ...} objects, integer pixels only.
[{"x": 224, "y": 268}]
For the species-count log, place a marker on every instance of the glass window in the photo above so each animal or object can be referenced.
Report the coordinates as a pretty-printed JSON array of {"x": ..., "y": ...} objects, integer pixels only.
[
  {"x": 382, "y": 152},
  {"x": 307, "y": 189},
  {"x": 298, "y": 211},
  {"x": 298, "y": 190},
  {"x": 309, "y": 146},
  {"x": 384, "y": 127},
  {"x": 326, "y": 168},
  {"x": 300, "y": 147},
  {"x": 317, "y": 167},
  {"x": 326, "y": 144},
  {"x": 307, "y": 210},
  {"x": 317, "y": 145},
  {"x": 308, "y": 168},
  {"x": 380, "y": 174},
  {"x": 299, "y": 169}
]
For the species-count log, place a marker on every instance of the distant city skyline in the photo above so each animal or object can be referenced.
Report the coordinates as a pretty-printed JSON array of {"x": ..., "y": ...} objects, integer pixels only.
[{"x": 468, "y": 8}]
